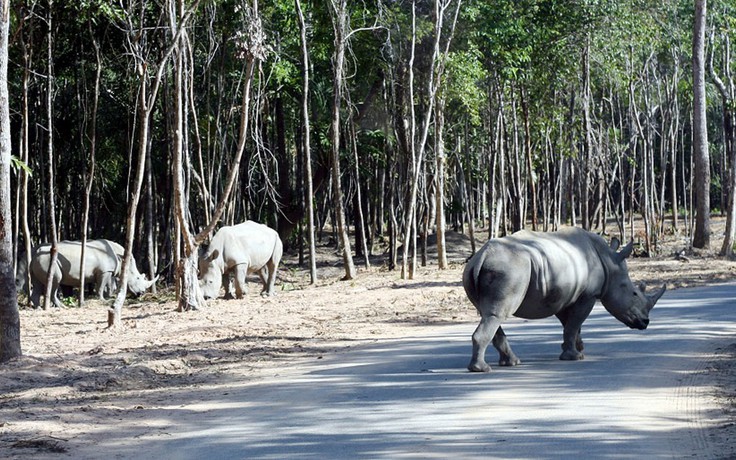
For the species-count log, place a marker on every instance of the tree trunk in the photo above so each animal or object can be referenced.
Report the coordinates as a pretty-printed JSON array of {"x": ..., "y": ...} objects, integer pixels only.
[
  {"x": 189, "y": 295},
  {"x": 309, "y": 193},
  {"x": 25, "y": 149},
  {"x": 90, "y": 175},
  {"x": 339, "y": 25},
  {"x": 50, "y": 150},
  {"x": 528, "y": 154},
  {"x": 727, "y": 90},
  {"x": 439, "y": 185},
  {"x": 10, "y": 346},
  {"x": 701, "y": 236}
]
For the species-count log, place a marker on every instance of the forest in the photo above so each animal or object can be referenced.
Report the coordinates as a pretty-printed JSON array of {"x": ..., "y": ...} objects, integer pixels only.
[{"x": 370, "y": 124}]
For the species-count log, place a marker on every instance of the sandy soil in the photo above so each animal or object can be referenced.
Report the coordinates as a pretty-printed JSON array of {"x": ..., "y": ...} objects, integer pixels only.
[{"x": 78, "y": 378}]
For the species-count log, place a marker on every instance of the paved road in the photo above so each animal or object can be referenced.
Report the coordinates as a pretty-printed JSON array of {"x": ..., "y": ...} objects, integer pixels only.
[{"x": 636, "y": 395}]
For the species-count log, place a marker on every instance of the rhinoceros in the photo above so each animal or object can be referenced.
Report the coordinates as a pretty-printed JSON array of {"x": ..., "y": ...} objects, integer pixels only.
[
  {"x": 103, "y": 260},
  {"x": 238, "y": 250},
  {"x": 537, "y": 274}
]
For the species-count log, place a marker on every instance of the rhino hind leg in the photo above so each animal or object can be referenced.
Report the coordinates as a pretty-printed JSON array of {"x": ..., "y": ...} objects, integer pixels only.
[
  {"x": 269, "y": 270},
  {"x": 37, "y": 290},
  {"x": 482, "y": 336},
  {"x": 506, "y": 355}
]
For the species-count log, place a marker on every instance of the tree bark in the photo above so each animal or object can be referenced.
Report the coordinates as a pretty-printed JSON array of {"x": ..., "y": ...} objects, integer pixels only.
[
  {"x": 50, "y": 151},
  {"x": 10, "y": 346},
  {"x": 90, "y": 175},
  {"x": 701, "y": 156},
  {"x": 339, "y": 26},
  {"x": 309, "y": 193},
  {"x": 439, "y": 186}
]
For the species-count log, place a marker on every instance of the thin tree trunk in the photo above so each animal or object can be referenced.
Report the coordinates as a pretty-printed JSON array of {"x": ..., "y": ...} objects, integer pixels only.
[
  {"x": 339, "y": 25},
  {"x": 10, "y": 346},
  {"x": 90, "y": 175},
  {"x": 439, "y": 186},
  {"x": 50, "y": 157},
  {"x": 727, "y": 90},
  {"x": 309, "y": 194},
  {"x": 528, "y": 154},
  {"x": 25, "y": 149}
]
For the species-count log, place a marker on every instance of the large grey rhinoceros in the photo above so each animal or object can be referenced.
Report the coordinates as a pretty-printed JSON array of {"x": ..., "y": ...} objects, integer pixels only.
[
  {"x": 240, "y": 249},
  {"x": 103, "y": 260},
  {"x": 535, "y": 275}
]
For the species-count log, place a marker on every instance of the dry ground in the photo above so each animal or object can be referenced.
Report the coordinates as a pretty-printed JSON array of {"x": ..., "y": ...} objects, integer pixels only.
[{"x": 78, "y": 378}]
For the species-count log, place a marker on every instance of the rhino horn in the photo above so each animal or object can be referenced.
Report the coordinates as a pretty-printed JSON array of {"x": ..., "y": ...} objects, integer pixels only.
[
  {"x": 152, "y": 282},
  {"x": 655, "y": 297}
]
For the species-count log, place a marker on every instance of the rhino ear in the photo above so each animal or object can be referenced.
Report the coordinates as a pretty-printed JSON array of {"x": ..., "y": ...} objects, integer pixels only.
[
  {"x": 615, "y": 243},
  {"x": 213, "y": 255},
  {"x": 626, "y": 251}
]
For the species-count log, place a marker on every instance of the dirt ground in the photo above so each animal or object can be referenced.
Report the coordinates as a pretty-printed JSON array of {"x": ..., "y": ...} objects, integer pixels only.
[{"x": 77, "y": 376}]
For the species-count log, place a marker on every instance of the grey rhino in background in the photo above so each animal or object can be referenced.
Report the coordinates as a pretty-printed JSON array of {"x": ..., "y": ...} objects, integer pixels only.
[
  {"x": 536, "y": 275},
  {"x": 238, "y": 250},
  {"x": 103, "y": 261}
]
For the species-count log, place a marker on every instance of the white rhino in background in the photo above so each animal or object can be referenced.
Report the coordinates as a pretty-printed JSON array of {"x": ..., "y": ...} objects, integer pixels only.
[
  {"x": 103, "y": 260},
  {"x": 535, "y": 275},
  {"x": 238, "y": 250}
]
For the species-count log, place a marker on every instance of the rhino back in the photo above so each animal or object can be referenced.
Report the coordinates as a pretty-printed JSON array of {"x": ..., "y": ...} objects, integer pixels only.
[
  {"x": 249, "y": 242},
  {"x": 562, "y": 267},
  {"x": 68, "y": 260}
]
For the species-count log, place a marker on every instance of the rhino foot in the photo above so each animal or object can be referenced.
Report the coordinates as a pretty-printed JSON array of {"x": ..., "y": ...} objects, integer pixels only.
[
  {"x": 509, "y": 361},
  {"x": 571, "y": 355},
  {"x": 479, "y": 367}
]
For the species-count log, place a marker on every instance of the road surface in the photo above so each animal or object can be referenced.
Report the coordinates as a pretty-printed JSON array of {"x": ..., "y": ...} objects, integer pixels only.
[{"x": 637, "y": 394}]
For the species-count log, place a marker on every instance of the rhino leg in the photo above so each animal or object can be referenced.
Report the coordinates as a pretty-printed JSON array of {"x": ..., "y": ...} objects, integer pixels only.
[
  {"x": 103, "y": 283},
  {"x": 482, "y": 336},
  {"x": 562, "y": 316},
  {"x": 572, "y": 344},
  {"x": 36, "y": 292},
  {"x": 55, "y": 291},
  {"x": 241, "y": 280},
  {"x": 227, "y": 283},
  {"x": 271, "y": 268},
  {"x": 506, "y": 355}
]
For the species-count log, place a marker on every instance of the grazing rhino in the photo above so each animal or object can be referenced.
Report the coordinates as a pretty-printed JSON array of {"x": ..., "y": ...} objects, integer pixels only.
[
  {"x": 238, "y": 250},
  {"x": 535, "y": 275},
  {"x": 103, "y": 260}
]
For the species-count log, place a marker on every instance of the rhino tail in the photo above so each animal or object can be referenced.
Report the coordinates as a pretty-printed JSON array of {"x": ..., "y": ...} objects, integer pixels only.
[{"x": 471, "y": 275}]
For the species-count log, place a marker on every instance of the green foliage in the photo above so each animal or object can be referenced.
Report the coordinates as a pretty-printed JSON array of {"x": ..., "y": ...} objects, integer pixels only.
[
  {"x": 465, "y": 75},
  {"x": 19, "y": 165}
]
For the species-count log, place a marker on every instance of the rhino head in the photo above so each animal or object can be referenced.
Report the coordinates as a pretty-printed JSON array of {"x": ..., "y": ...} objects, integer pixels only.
[
  {"x": 210, "y": 274},
  {"x": 627, "y": 302},
  {"x": 137, "y": 282}
]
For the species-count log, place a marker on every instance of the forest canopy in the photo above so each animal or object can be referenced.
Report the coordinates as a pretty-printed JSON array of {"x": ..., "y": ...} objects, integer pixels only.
[{"x": 421, "y": 115}]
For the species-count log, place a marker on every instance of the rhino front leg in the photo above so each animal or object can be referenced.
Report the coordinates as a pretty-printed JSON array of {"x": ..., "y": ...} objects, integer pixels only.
[
  {"x": 562, "y": 316},
  {"x": 506, "y": 355},
  {"x": 572, "y": 344},
  {"x": 482, "y": 336},
  {"x": 241, "y": 280}
]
